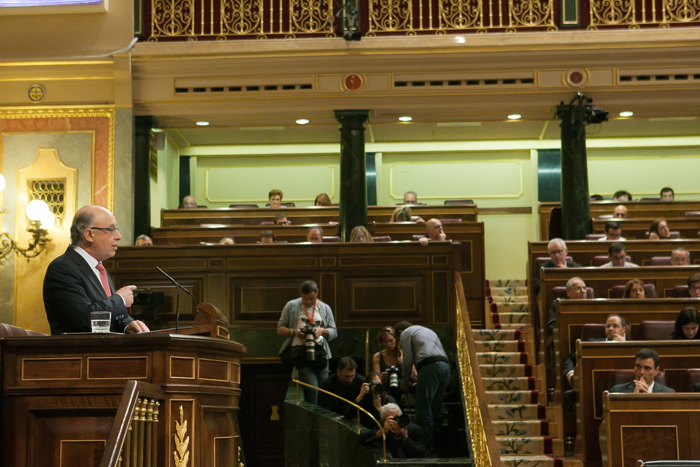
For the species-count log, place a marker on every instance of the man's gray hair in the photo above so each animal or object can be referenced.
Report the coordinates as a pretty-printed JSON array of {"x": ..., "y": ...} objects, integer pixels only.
[
  {"x": 80, "y": 222},
  {"x": 556, "y": 241},
  {"x": 570, "y": 283},
  {"x": 680, "y": 248},
  {"x": 390, "y": 407},
  {"x": 316, "y": 227}
]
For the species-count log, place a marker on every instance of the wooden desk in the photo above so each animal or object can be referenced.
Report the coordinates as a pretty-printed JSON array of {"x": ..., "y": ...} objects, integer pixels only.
[
  {"x": 595, "y": 362},
  {"x": 308, "y": 215},
  {"x": 637, "y": 227},
  {"x": 471, "y": 237},
  {"x": 194, "y": 235},
  {"x": 366, "y": 284},
  {"x": 653, "y": 209},
  {"x": 60, "y": 395},
  {"x": 649, "y": 427}
]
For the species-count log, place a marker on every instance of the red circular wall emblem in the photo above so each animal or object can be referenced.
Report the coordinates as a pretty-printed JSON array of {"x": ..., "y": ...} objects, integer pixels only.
[
  {"x": 576, "y": 77},
  {"x": 353, "y": 82}
]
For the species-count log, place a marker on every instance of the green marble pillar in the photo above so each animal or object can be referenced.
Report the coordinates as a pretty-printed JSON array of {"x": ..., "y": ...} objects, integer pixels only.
[
  {"x": 353, "y": 180},
  {"x": 575, "y": 207},
  {"x": 142, "y": 181}
]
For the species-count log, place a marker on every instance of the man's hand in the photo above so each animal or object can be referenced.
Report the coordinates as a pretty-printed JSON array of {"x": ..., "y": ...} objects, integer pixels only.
[
  {"x": 618, "y": 338},
  {"x": 570, "y": 377},
  {"x": 363, "y": 390},
  {"x": 640, "y": 387},
  {"x": 377, "y": 400},
  {"x": 318, "y": 332},
  {"x": 443, "y": 236},
  {"x": 423, "y": 241},
  {"x": 390, "y": 425},
  {"x": 127, "y": 294},
  {"x": 136, "y": 327}
]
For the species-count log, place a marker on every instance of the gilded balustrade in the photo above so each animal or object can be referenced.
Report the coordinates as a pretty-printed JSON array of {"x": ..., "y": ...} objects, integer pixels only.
[
  {"x": 221, "y": 19},
  {"x": 636, "y": 14}
]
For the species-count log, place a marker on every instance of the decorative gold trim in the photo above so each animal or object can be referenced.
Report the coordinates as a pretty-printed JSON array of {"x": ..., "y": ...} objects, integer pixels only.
[
  {"x": 182, "y": 452},
  {"x": 199, "y": 370},
  {"x": 460, "y": 195},
  {"x": 118, "y": 358},
  {"x": 79, "y": 359},
  {"x": 104, "y": 111},
  {"x": 170, "y": 367},
  {"x": 258, "y": 200},
  {"x": 480, "y": 449}
]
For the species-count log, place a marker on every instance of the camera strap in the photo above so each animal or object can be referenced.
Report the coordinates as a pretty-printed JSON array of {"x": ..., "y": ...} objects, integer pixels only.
[{"x": 311, "y": 317}]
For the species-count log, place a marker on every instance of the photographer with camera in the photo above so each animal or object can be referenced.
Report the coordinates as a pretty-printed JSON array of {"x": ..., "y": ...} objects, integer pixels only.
[
  {"x": 404, "y": 439},
  {"x": 345, "y": 383},
  {"x": 372, "y": 401},
  {"x": 388, "y": 362},
  {"x": 308, "y": 325}
]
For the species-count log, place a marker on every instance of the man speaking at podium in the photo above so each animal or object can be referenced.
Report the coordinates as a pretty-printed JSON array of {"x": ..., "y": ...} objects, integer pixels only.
[{"x": 76, "y": 283}]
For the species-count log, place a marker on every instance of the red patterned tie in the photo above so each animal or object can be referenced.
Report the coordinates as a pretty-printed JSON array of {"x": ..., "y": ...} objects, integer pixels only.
[{"x": 103, "y": 279}]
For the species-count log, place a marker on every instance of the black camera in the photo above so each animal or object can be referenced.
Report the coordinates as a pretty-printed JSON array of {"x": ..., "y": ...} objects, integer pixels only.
[
  {"x": 403, "y": 420},
  {"x": 376, "y": 388},
  {"x": 309, "y": 342},
  {"x": 393, "y": 376}
]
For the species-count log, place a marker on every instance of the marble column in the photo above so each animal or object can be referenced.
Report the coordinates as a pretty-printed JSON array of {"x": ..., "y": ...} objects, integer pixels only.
[
  {"x": 353, "y": 180},
  {"x": 142, "y": 181},
  {"x": 575, "y": 207}
]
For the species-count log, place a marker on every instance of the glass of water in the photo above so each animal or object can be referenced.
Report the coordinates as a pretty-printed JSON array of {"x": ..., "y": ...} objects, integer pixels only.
[{"x": 100, "y": 321}]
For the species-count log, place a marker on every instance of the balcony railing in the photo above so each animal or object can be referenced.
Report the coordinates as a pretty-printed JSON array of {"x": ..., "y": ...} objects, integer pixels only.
[{"x": 178, "y": 20}]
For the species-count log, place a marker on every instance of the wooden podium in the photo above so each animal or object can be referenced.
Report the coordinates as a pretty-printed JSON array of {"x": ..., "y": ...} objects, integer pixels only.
[{"x": 61, "y": 394}]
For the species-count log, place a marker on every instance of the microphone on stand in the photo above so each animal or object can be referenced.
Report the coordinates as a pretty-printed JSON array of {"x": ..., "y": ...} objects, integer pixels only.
[{"x": 177, "y": 307}]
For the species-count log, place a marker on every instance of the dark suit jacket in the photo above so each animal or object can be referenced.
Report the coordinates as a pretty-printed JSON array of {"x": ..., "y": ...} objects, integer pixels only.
[
  {"x": 72, "y": 291},
  {"x": 629, "y": 388},
  {"x": 570, "y": 360},
  {"x": 549, "y": 264},
  {"x": 411, "y": 447}
]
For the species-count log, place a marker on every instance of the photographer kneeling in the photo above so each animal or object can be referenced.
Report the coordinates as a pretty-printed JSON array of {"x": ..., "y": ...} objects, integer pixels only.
[
  {"x": 308, "y": 325},
  {"x": 372, "y": 401},
  {"x": 404, "y": 439}
]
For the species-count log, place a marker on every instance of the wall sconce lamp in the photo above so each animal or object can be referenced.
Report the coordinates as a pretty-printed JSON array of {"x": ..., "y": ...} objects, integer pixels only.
[{"x": 41, "y": 219}]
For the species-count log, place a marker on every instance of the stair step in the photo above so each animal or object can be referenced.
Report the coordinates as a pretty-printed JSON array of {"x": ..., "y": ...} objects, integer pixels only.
[
  {"x": 521, "y": 412},
  {"x": 509, "y": 326},
  {"x": 510, "y": 299},
  {"x": 506, "y": 283},
  {"x": 533, "y": 445},
  {"x": 531, "y": 461},
  {"x": 491, "y": 335},
  {"x": 511, "y": 384},
  {"x": 524, "y": 428},
  {"x": 500, "y": 346},
  {"x": 513, "y": 397},
  {"x": 506, "y": 291},
  {"x": 520, "y": 307},
  {"x": 511, "y": 318},
  {"x": 507, "y": 371},
  {"x": 503, "y": 358}
]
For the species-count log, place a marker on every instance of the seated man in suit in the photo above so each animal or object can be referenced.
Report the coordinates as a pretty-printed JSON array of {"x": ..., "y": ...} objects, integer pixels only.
[
  {"x": 557, "y": 251},
  {"x": 667, "y": 194},
  {"x": 646, "y": 366},
  {"x": 314, "y": 235},
  {"x": 410, "y": 197},
  {"x": 694, "y": 285},
  {"x": 76, "y": 283},
  {"x": 680, "y": 257},
  {"x": 143, "y": 240},
  {"x": 435, "y": 232},
  {"x": 575, "y": 290},
  {"x": 613, "y": 231},
  {"x": 188, "y": 202},
  {"x": 615, "y": 331},
  {"x": 618, "y": 257},
  {"x": 620, "y": 212}
]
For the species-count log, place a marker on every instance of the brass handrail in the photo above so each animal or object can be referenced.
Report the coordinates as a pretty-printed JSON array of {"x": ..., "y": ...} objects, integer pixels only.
[
  {"x": 483, "y": 440},
  {"x": 128, "y": 412},
  {"x": 359, "y": 426}
]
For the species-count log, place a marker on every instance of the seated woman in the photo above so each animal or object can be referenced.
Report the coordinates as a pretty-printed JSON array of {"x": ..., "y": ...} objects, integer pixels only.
[
  {"x": 360, "y": 234},
  {"x": 322, "y": 200},
  {"x": 388, "y": 361},
  {"x": 404, "y": 214},
  {"x": 687, "y": 324},
  {"x": 659, "y": 230},
  {"x": 634, "y": 289}
]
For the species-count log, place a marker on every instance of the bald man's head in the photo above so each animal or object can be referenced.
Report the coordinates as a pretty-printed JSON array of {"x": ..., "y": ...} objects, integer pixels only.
[{"x": 95, "y": 230}]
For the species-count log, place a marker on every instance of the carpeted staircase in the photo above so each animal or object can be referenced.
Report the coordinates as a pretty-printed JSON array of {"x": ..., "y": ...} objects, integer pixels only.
[{"x": 525, "y": 427}]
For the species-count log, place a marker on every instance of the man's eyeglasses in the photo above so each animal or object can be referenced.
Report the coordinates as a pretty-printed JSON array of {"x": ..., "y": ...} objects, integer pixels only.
[
  {"x": 111, "y": 230},
  {"x": 556, "y": 252}
]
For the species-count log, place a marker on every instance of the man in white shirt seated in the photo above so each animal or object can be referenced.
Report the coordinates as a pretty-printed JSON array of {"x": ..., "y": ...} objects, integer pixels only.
[
  {"x": 618, "y": 257},
  {"x": 613, "y": 231}
]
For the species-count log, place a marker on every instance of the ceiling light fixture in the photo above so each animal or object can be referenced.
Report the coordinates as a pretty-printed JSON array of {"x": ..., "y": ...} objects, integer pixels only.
[
  {"x": 202, "y": 123},
  {"x": 514, "y": 117},
  {"x": 626, "y": 113},
  {"x": 405, "y": 118},
  {"x": 302, "y": 121}
]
